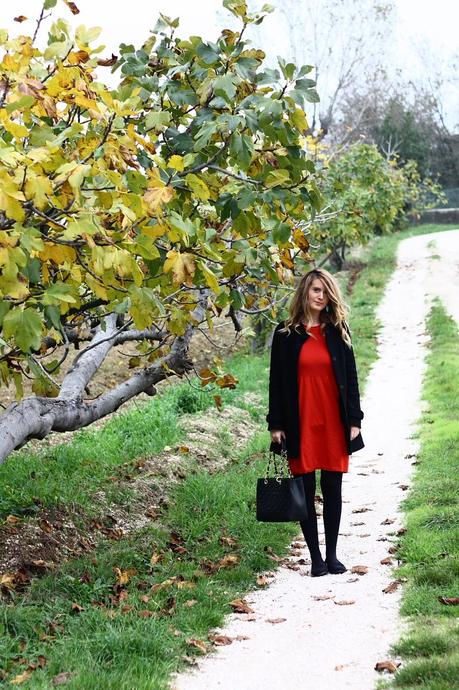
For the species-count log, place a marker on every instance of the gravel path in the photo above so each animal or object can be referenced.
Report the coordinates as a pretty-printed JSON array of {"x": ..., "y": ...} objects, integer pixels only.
[{"x": 337, "y": 627}]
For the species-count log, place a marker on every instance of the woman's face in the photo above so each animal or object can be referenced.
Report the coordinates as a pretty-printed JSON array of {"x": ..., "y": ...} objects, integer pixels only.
[{"x": 317, "y": 295}]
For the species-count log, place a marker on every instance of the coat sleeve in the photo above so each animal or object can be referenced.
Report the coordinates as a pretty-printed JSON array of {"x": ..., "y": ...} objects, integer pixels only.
[
  {"x": 355, "y": 413},
  {"x": 275, "y": 416}
]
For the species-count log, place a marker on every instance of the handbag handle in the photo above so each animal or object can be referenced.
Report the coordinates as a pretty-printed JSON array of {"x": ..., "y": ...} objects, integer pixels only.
[{"x": 284, "y": 471}]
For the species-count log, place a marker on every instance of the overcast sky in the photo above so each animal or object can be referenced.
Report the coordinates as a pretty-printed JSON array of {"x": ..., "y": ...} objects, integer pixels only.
[{"x": 423, "y": 29}]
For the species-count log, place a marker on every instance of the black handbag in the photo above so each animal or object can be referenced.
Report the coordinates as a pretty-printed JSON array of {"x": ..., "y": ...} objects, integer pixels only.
[{"x": 280, "y": 498}]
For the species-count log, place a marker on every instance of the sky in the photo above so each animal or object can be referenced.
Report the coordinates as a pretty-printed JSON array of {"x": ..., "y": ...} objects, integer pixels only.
[{"x": 423, "y": 31}]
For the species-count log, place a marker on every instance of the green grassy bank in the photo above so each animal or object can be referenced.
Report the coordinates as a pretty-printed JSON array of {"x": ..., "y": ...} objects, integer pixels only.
[
  {"x": 133, "y": 610},
  {"x": 430, "y": 547}
]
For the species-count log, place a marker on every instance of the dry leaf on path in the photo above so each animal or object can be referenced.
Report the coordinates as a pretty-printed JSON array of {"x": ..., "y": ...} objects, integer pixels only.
[
  {"x": 359, "y": 569},
  {"x": 392, "y": 586},
  {"x": 275, "y": 620},
  {"x": 388, "y": 521},
  {"x": 387, "y": 665},
  {"x": 357, "y": 524},
  {"x": 241, "y": 606},
  {"x": 199, "y": 644},
  {"x": 323, "y": 597},
  {"x": 361, "y": 510},
  {"x": 345, "y": 602},
  {"x": 262, "y": 581},
  {"x": 220, "y": 640},
  {"x": 386, "y": 561}
]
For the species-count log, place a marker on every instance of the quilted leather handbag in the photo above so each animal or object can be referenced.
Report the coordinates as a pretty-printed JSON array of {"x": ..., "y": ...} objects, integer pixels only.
[{"x": 280, "y": 498}]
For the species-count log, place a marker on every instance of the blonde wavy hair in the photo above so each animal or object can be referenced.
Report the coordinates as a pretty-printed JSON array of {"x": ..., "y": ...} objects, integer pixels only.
[{"x": 335, "y": 313}]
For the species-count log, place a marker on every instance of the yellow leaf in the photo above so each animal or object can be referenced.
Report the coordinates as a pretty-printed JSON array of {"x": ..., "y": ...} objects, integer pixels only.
[
  {"x": 298, "y": 118},
  {"x": 157, "y": 196},
  {"x": 198, "y": 186},
  {"x": 153, "y": 231},
  {"x": 182, "y": 266},
  {"x": 57, "y": 253},
  {"x": 211, "y": 278},
  {"x": 176, "y": 162}
]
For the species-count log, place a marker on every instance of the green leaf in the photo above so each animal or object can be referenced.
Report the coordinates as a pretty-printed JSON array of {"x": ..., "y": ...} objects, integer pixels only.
[
  {"x": 224, "y": 86},
  {"x": 49, "y": 3},
  {"x": 277, "y": 177},
  {"x": 242, "y": 148},
  {"x": 24, "y": 326},
  {"x": 157, "y": 121},
  {"x": 58, "y": 292},
  {"x": 281, "y": 234}
]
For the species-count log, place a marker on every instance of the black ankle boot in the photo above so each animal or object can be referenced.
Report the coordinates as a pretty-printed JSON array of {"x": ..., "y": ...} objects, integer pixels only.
[
  {"x": 335, "y": 567},
  {"x": 319, "y": 568}
]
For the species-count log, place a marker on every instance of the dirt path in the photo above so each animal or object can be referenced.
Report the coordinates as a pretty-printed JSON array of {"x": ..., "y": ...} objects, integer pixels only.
[{"x": 337, "y": 627}]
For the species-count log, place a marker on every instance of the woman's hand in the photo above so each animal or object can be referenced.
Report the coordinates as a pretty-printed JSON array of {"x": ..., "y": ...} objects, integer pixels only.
[
  {"x": 355, "y": 431},
  {"x": 277, "y": 436}
]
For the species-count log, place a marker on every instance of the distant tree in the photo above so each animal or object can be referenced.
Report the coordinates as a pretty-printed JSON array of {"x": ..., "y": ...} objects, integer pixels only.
[{"x": 341, "y": 39}]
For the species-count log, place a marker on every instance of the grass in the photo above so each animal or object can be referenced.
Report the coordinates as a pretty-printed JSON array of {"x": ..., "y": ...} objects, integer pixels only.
[
  {"x": 429, "y": 549},
  {"x": 136, "y": 620}
]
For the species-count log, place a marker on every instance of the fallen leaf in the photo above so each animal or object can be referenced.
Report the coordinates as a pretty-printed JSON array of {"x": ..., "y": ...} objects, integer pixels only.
[
  {"x": 63, "y": 678},
  {"x": 400, "y": 531},
  {"x": 241, "y": 637},
  {"x": 390, "y": 666},
  {"x": 291, "y": 566},
  {"x": 386, "y": 561},
  {"x": 275, "y": 620},
  {"x": 228, "y": 561},
  {"x": 361, "y": 510},
  {"x": 449, "y": 601},
  {"x": 323, "y": 597},
  {"x": 145, "y": 598},
  {"x": 220, "y": 640},
  {"x": 359, "y": 569},
  {"x": 262, "y": 581},
  {"x": 393, "y": 549},
  {"x": 391, "y": 587},
  {"x": 123, "y": 576},
  {"x": 145, "y": 613},
  {"x": 156, "y": 557},
  {"x": 230, "y": 541},
  {"x": 297, "y": 545},
  {"x": 388, "y": 521},
  {"x": 20, "y": 19},
  {"x": 353, "y": 579},
  {"x": 240, "y": 606},
  {"x": 76, "y": 608},
  {"x": 199, "y": 644},
  {"x": 22, "y": 677},
  {"x": 364, "y": 535},
  {"x": 345, "y": 602},
  {"x": 13, "y": 519},
  {"x": 46, "y": 526},
  {"x": 340, "y": 667},
  {"x": 357, "y": 524},
  {"x": 404, "y": 487},
  {"x": 190, "y": 602}
]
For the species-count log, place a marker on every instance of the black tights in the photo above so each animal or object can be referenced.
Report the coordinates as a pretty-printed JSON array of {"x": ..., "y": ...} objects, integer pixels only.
[{"x": 330, "y": 483}]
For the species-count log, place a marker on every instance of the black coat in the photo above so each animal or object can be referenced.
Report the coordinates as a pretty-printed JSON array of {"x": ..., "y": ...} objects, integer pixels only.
[{"x": 283, "y": 386}]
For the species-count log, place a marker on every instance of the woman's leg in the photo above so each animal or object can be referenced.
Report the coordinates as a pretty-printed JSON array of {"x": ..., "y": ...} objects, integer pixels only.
[
  {"x": 309, "y": 526},
  {"x": 330, "y": 483}
]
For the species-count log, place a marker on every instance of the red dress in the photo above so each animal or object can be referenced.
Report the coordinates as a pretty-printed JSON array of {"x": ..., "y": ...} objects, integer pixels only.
[{"x": 322, "y": 440}]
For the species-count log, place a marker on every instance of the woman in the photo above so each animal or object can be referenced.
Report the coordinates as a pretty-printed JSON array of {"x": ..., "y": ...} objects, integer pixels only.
[{"x": 314, "y": 404}]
